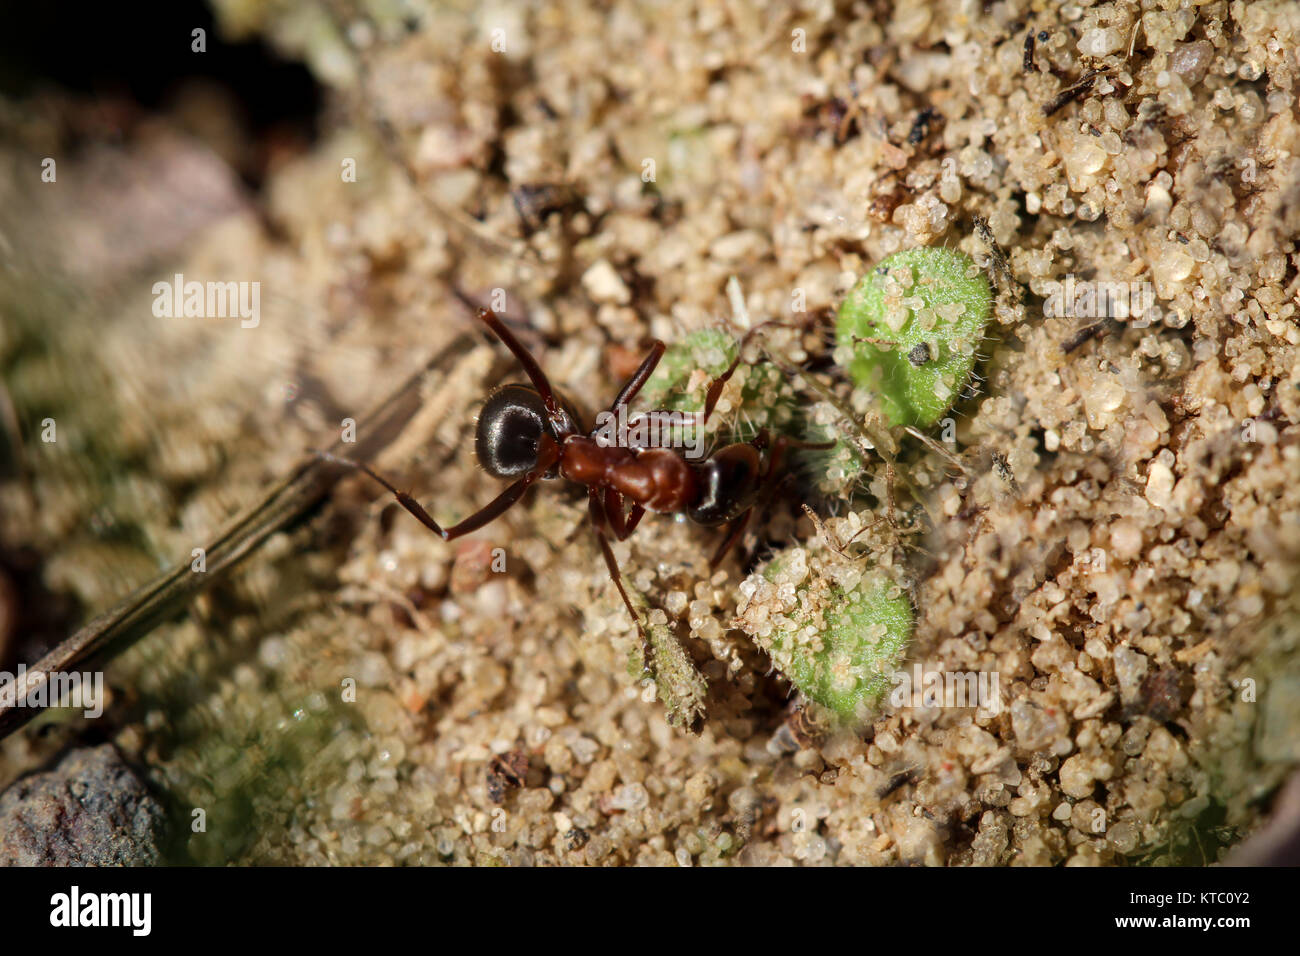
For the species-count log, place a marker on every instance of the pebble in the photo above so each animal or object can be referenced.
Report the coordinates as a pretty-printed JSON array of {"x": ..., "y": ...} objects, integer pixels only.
[{"x": 90, "y": 810}]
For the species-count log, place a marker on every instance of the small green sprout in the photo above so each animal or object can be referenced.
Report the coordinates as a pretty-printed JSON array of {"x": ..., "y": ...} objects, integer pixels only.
[
  {"x": 678, "y": 682},
  {"x": 766, "y": 398},
  {"x": 710, "y": 350},
  {"x": 836, "y": 630},
  {"x": 910, "y": 329}
]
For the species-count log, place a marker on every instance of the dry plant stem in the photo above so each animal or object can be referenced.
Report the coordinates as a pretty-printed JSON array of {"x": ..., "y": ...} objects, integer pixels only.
[
  {"x": 167, "y": 595},
  {"x": 937, "y": 447}
]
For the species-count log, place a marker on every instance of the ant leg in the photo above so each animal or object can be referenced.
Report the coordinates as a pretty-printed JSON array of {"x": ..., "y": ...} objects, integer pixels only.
[
  {"x": 493, "y": 509},
  {"x": 770, "y": 477},
  {"x": 782, "y": 442},
  {"x": 525, "y": 357},
  {"x": 620, "y": 525},
  {"x": 613, "y": 505},
  {"x": 788, "y": 442},
  {"x": 598, "y": 522},
  {"x": 640, "y": 376},
  {"x": 734, "y": 534},
  {"x": 718, "y": 384},
  {"x": 774, "y": 459},
  {"x": 403, "y": 499},
  {"x": 490, "y": 512}
]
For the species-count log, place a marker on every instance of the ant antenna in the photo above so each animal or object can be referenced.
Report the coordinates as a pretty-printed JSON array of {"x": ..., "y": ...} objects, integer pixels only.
[{"x": 525, "y": 357}]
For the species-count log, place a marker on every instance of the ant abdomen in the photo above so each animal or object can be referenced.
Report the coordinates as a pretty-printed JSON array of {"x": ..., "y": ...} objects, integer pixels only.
[{"x": 729, "y": 482}]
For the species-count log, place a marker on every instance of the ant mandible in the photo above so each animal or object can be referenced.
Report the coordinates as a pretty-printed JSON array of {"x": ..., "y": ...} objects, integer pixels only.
[{"x": 528, "y": 433}]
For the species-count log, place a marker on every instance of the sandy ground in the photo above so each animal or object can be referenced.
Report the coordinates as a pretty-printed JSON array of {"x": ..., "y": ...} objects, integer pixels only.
[{"x": 1117, "y": 539}]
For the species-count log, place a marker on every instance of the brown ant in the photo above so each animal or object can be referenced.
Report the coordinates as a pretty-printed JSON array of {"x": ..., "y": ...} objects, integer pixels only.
[{"x": 528, "y": 433}]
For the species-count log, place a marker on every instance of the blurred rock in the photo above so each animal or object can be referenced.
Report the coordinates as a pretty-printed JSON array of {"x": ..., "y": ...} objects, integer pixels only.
[{"x": 91, "y": 810}]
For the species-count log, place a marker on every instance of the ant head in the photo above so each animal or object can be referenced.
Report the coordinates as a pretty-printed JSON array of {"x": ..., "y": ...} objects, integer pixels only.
[{"x": 511, "y": 424}]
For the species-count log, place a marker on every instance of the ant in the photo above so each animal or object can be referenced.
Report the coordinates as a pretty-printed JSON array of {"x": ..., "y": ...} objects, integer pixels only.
[{"x": 533, "y": 432}]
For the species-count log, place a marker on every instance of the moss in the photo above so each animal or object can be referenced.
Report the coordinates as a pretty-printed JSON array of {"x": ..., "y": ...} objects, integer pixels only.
[
  {"x": 283, "y": 745},
  {"x": 912, "y": 327}
]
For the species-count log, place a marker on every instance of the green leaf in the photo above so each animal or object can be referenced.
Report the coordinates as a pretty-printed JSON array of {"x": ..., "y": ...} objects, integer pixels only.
[{"x": 912, "y": 327}]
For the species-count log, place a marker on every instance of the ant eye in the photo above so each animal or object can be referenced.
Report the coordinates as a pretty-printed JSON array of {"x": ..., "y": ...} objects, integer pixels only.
[{"x": 509, "y": 428}]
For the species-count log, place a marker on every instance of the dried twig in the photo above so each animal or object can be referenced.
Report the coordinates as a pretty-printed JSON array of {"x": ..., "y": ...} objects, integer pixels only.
[
  {"x": 167, "y": 595},
  {"x": 1072, "y": 92}
]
